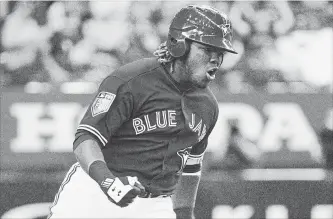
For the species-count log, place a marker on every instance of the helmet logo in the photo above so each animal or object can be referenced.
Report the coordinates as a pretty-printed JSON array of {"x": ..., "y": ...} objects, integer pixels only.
[{"x": 225, "y": 29}]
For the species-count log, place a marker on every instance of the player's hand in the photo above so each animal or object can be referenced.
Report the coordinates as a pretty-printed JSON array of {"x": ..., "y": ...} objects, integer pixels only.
[{"x": 122, "y": 190}]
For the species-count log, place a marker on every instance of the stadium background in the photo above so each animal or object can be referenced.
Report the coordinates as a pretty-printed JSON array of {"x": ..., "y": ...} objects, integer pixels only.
[{"x": 271, "y": 153}]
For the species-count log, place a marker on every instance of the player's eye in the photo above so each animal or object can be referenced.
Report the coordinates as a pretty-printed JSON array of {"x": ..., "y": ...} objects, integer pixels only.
[{"x": 208, "y": 50}]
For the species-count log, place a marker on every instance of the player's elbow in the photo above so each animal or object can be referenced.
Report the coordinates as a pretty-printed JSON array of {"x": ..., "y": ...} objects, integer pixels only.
[{"x": 193, "y": 165}]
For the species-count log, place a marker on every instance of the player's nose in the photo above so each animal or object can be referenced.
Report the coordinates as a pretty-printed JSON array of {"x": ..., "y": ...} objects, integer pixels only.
[{"x": 215, "y": 59}]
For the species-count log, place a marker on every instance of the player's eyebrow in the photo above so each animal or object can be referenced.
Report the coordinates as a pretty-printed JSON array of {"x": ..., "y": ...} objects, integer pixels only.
[{"x": 212, "y": 48}]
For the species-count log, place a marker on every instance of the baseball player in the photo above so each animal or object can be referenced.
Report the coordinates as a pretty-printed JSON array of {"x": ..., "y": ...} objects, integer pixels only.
[{"x": 141, "y": 142}]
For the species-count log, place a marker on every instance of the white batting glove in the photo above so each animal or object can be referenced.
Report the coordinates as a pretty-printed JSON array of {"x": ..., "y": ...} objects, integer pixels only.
[{"x": 122, "y": 190}]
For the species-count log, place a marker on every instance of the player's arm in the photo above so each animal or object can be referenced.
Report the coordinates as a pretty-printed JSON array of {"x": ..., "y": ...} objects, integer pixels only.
[
  {"x": 112, "y": 105},
  {"x": 91, "y": 159},
  {"x": 184, "y": 197}
]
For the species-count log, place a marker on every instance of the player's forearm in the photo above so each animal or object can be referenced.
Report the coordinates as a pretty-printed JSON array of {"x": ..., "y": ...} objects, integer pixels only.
[
  {"x": 185, "y": 196},
  {"x": 91, "y": 159},
  {"x": 119, "y": 190},
  {"x": 87, "y": 152}
]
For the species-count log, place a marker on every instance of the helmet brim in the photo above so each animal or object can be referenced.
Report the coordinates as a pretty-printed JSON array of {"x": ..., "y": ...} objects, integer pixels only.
[{"x": 223, "y": 45}]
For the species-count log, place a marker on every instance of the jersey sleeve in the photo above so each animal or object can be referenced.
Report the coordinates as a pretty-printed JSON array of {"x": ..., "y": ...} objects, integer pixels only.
[
  {"x": 194, "y": 162},
  {"x": 110, "y": 108}
]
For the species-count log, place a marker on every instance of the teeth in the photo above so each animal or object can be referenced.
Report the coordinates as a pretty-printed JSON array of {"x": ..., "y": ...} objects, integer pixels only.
[
  {"x": 212, "y": 71},
  {"x": 210, "y": 76}
]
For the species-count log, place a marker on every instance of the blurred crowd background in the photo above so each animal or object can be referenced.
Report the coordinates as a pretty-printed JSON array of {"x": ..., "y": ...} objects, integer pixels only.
[{"x": 283, "y": 46}]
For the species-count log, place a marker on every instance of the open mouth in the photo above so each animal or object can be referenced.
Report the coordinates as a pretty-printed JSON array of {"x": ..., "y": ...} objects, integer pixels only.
[{"x": 211, "y": 73}]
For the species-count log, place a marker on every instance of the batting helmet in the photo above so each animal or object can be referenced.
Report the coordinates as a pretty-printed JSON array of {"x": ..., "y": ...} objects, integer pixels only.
[{"x": 202, "y": 24}]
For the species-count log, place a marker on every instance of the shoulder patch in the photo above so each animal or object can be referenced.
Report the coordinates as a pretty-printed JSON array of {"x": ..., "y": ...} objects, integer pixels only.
[{"x": 102, "y": 103}]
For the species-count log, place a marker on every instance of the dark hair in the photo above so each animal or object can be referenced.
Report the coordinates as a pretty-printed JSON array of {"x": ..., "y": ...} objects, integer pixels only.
[{"x": 163, "y": 55}]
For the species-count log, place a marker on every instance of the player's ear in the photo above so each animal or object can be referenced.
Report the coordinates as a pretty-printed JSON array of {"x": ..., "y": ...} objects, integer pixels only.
[{"x": 187, "y": 48}]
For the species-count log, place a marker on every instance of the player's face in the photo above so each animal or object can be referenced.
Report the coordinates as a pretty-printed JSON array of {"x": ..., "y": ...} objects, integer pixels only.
[{"x": 202, "y": 64}]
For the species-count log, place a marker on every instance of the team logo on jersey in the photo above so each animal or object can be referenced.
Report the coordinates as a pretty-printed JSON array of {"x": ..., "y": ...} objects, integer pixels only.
[
  {"x": 183, "y": 154},
  {"x": 102, "y": 103}
]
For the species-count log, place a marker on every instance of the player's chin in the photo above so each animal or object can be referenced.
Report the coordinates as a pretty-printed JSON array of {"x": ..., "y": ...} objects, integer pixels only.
[{"x": 202, "y": 84}]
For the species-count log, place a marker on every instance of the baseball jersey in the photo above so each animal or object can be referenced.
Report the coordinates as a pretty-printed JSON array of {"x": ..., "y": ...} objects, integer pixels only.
[{"x": 148, "y": 126}]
